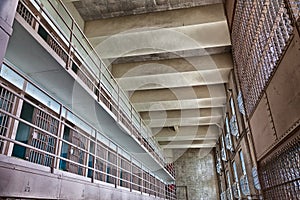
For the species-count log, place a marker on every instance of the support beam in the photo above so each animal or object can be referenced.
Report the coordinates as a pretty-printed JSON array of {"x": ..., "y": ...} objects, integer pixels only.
[
  {"x": 182, "y": 104},
  {"x": 184, "y": 17},
  {"x": 168, "y": 66},
  {"x": 162, "y": 114},
  {"x": 187, "y": 133},
  {"x": 172, "y": 55},
  {"x": 187, "y": 121},
  {"x": 153, "y": 40},
  {"x": 187, "y": 144},
  {"x": 178, "y": 94},
  {"x": 175, "y": 80}
]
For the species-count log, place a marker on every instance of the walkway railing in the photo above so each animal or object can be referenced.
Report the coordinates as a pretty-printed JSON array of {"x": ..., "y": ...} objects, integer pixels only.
[
  {"x": 37, "y": 128},
  {"x": 56, "y": 26}
]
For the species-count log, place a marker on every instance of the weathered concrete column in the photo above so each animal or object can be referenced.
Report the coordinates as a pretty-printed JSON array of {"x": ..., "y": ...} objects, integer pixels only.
[{"x": 7, "y": 15}]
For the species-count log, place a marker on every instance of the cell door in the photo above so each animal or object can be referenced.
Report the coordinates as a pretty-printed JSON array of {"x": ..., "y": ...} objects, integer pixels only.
[
  {"x": 76, "y": 153},
  {"x": 41, "y": 139},
  {"x": 7, "y": 104}
]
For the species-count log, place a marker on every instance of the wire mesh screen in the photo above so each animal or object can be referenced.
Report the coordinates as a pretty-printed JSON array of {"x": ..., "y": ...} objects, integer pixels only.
[
  {"x": 280, "y": 174},
  {"x": 260, "y": 34}
]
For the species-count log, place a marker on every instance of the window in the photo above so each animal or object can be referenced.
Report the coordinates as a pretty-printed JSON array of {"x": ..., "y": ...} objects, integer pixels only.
[
  {"x": 241, "y": 103},
  {"x": 227, "y": 124},
  {"x": 233, "y": 120},
  {"x": 235, "y": 174},
  {"x": 223, "y": 152},
  {"x": 221, "y": 186},
  {"x": 228, "y": 191},
  {"x": 242, "y": 162},
  {"x": 218, "y": 164},
  {"x": 228, "y": 179},
  {"x": 236, "y": 187},
  {"x": 244, "y": 179},
  {"x": 232, "y": 106},
  {"x": 228, "y": 140}
]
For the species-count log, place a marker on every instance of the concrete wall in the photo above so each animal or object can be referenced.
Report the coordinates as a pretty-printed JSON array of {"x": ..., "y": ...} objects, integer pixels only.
[
  {"x": 196, "y": 175},
  {"x": 21, "y": 179},
  {"x": 7, "y": 14}
]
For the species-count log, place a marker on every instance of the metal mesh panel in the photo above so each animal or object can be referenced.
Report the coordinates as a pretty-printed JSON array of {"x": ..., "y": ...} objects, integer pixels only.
[
  {"x": 295, "y": 6},
  {"x": 27, "y": 16},
  {"x": 261, "y": 32},
  {"x": 280, "y": 174}
]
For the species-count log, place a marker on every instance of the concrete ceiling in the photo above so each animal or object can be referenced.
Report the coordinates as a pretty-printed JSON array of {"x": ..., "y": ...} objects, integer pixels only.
[
  {"x": 173, "y": 59},
  {"x": 100, "y": 9}
]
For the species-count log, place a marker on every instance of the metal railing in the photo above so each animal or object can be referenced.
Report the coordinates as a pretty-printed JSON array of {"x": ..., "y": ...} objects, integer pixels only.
[
  {"x": 56, "y": 26},
  {"x": 50, "y": 136}
]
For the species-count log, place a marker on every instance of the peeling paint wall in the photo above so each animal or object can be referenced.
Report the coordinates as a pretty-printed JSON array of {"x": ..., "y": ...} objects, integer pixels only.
[{"x": 195, "y": 174}]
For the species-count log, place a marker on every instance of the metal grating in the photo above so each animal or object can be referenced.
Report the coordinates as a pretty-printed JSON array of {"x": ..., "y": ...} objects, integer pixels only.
[
  {"x": 26, "y": 15},
  {"x": 260, "y": 34},
  {"x": 280, "y": 174},
  {"x": 295, "y": 6}
]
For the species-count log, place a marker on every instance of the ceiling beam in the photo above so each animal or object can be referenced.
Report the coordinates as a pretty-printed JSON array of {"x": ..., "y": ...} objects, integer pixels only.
[
  {"x": 175, "y": 80},
  {"x": 162, "y": 114},
  {"x": 208, "y": 132},
  {"x": 182, "y": 104},
  {"x": 187, "y": 144},
  {"x": 178, "y": 94},
  {"x": 168, "y": 66},
  {"x": 153, "y": 40},
  {"x": 165, "y": 19},
  {"x": 184, "y": 121},
  {"x": 172, "y": 55}
]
